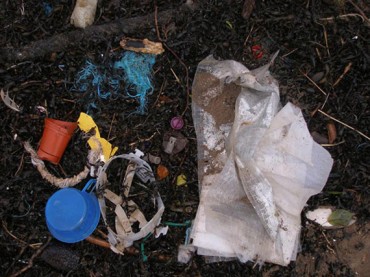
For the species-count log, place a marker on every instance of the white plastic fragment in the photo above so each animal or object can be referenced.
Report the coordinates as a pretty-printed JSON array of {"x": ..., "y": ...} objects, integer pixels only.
[
  {"x": 170, "y": 145},
  {"x": 84, "y": 13},
  {"x": 257, "y": 166},
  {"x": 161, "y": 231},
  {"x": 185, "y": 253},
  {"x": 9, "y": 102},
  {"x": 154, "y": 159},
  {"x": 124, "y": 236}
]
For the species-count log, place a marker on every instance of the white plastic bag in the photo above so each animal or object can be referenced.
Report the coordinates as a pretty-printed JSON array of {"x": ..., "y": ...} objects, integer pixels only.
[{"x": 257, "y": 166}]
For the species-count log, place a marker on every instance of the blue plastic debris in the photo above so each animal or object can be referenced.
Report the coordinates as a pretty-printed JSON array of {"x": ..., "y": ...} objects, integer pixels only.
[
  {"x": 48, "y": 8},
  {"x": 137, "y": 75},
  {"x": 133, "y": 69}
]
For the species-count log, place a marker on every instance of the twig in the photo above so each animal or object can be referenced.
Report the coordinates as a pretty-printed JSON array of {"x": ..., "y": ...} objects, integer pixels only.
[
  {"x": 129, "y": 251},
  {"x": 332, "y": 144},
  {"x": 359, "y": 10},
  {"x": 64, "y": 41},
  {"x": 33, "y": 257},
  {"x": 313, "y": 82},
  {"x": 291, "y": 52},
  {"x": 345, "y": 71},
  {"x": 33, "y": 245},
  {"x": 343, "y": 16},
  {"x": 156, "y": 23},
  {"x": 97, "y": 241},
  {"x": 177, "y": 57},
  {"x": 111, "y": 124},
  {"x": 20, "y": 165},
  {"x": 250, "y": 32},
  {"x": 344, "y": 124},
  {"x": 186, "y": 76}
]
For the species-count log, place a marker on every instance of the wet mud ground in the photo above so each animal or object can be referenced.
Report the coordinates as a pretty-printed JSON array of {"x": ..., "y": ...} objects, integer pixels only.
[{"x": 317, "y": 39}]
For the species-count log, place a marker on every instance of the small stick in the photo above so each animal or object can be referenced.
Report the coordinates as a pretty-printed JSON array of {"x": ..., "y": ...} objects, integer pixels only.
[
  {"x": 345, "y": 71},
  {"x": 291, "y": 52},
  {"x": 111, "y": 124},
  {"x": 156, "y": 23},
  {"x": 177, "y": 57},
  {"x": 343, "y": 16},
  {"x": 20, "y": 165},
  {"x": 99, "y": 242},
  {"x": 250, "y": 32},
  {"x": 33, "y": 257},
  {"x": 313, "y": 82},
  {"x": 130, "y": 250},
  {"x": 344, "y": 124},
  {"x": 33, "y": 245},
  {"x": 333, "y": 144},
  {"x": 359, "y": 10}
]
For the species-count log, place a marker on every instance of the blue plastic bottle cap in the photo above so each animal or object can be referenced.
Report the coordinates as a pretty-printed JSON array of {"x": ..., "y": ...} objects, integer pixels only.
[
  {"x": 66, "y": 210},
  {"x": 72, "y": 215}
]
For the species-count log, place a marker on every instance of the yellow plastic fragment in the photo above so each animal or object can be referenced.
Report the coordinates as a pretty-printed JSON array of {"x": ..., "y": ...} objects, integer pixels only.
[
  {"x": 181, "y": 180},
  {"x": 86, "y": 124}
]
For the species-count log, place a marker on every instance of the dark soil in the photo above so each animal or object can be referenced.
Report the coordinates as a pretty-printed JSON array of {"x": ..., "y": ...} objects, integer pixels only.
[{"x": 309, "y": 43}]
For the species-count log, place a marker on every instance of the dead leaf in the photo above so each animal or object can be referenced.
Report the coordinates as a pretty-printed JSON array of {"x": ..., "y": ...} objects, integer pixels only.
[
  {"x": 332, "y": 132},
  {"x": 340, "y": 218},
  {"x": 248, "y": 8},
  {"x": 9, "y": 102}
]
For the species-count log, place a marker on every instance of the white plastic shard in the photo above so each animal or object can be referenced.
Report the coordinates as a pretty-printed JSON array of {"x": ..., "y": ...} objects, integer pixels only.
[
  {"x": 8, "y": 101},
  {"x": 257, "y": 166},
  {"x": 84, "y": 13}
]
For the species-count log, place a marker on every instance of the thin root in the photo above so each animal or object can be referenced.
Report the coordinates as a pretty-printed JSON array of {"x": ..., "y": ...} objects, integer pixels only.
[{"x": 344, "y": 124}]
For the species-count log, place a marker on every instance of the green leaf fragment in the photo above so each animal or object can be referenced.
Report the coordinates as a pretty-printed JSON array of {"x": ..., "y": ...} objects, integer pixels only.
[
  {"x": 340, "y": 217},
  {"x": 229, "y": 25}
]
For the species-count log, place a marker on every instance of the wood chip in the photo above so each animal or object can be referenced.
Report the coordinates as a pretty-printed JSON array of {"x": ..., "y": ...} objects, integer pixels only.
[{"x": 332, "y": 132}]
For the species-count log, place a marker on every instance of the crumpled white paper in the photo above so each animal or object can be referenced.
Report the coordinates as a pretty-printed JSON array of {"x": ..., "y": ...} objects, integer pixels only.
[{"x": 257, "y": 166}]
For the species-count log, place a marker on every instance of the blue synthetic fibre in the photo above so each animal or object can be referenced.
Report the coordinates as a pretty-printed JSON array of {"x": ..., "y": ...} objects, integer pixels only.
[
  {"x": 133, "y": 69},
  {"x": 137, "y": 76},
  {"x": 91, "y": 74}
]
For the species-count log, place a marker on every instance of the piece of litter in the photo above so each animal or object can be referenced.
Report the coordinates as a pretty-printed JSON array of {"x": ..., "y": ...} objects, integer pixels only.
[
  {"x": 137, "y": 72},
  {"x": 181, "y": 180},
  {"x": 154, "y": 159},
  {"x": 177, "y": 123},
  {"x": 84, "y": 13},
  {"x": 87, "y": 125},
  {"x": 174, "y": 142},
  {"x": 9, "y": 102},
  {"x": 162, "y": 172},
  {"x": 257, "y": 166},
  {"x": 170, "y": 145},
  {"x": 124, "y": 234},
  {"x": 142, "y": 46},
  {"x": 161, "y": 231}
]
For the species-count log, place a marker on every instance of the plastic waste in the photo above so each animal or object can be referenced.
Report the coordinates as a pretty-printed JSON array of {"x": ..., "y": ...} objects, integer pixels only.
[
  {"x": 9, "y": 102},
  {"x": 257, "y": 165},
  {"x": 174, "y": 142},
  {"x": 126, "y": 211},
  {"x": 84, "y": 13}
]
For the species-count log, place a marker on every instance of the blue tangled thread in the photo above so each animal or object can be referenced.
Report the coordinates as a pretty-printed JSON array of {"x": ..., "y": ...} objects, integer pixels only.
[{"x": 133, "y": 69}]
